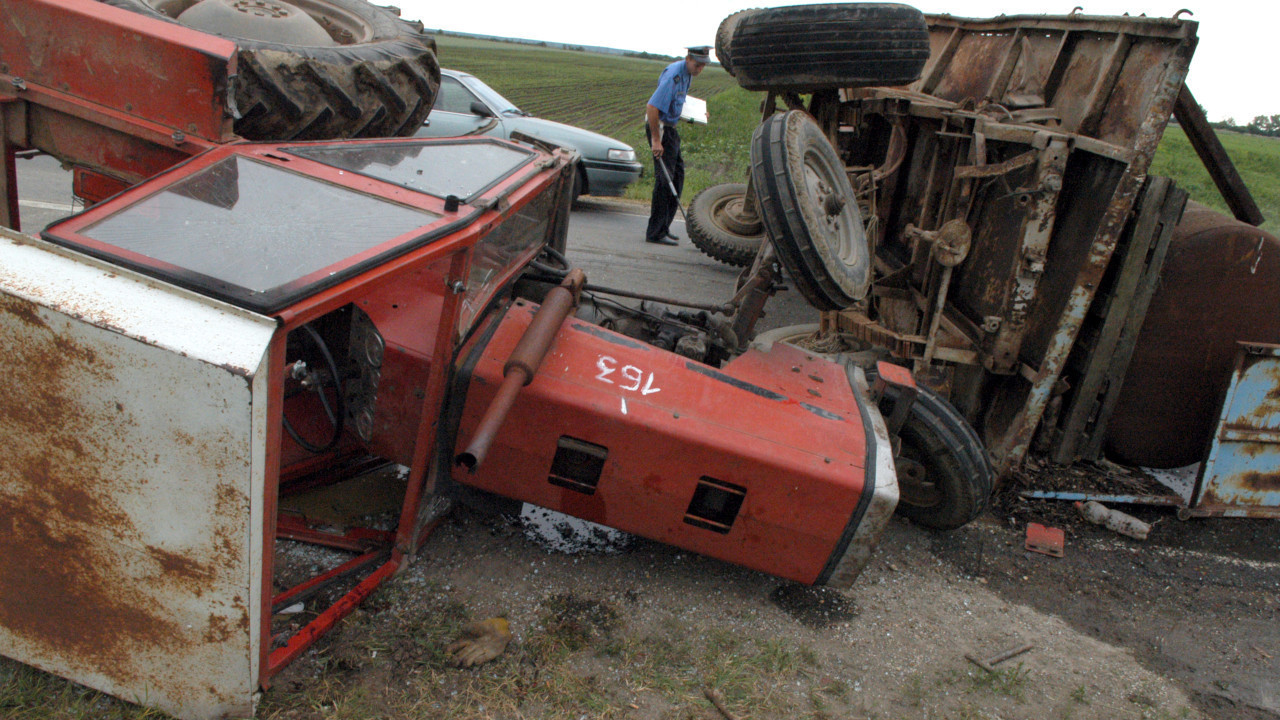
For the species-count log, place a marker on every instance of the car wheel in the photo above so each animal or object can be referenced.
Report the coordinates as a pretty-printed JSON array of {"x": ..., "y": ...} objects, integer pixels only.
[
  {"x": 717, "y": 228},
  {"x": 809, "y": 211},
  {"x": 367, "y": 73},
  {"x": 803, "y": 48}
]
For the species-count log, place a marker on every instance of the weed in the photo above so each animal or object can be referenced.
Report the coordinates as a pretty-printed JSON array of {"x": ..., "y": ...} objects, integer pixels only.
[
  {"x": 1080, "y": 695},
  {"x": 913, "y": 690},
  {"x": 1010, "y": 681}
]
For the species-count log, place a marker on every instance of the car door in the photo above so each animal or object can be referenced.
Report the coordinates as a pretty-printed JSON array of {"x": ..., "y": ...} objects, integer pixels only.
[{"x": 452, "y": 114}]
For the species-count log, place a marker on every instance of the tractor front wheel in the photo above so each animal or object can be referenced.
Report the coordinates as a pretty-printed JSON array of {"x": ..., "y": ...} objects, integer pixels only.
[{"x": 944, "y": 477}]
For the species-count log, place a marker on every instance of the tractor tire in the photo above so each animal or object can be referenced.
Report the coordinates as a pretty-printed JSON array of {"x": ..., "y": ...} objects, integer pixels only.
[
  {"x": 944, "y": 476},
  {"x": 809, "y": 211},
  {"x": 715, "y": 229},
  {"x": 379, "y": 78},
  {"x": 803, "y": 48}
]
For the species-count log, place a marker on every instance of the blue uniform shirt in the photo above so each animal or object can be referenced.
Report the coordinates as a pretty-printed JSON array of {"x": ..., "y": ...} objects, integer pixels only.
[{"x": 673, "y": 85}]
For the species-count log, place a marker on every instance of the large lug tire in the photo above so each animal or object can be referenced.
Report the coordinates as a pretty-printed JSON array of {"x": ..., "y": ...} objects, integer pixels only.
[
  {"x": 944, "y": 475},
  {"x": 377, "y": 78},
  {"x": 804, "y": 48},
  {"x": 809, "y": 211},
  {"x": 717, "y": 228}
]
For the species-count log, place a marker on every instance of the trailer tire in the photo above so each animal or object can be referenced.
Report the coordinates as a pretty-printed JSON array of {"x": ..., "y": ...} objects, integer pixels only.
[
  {"x": 809, "y": 210},
  {"x": 803, "y": 48},
  {"x": 939, "y": 446},
  {"x": 714, "y": 229},
  {"x": 380, "y": 79}
]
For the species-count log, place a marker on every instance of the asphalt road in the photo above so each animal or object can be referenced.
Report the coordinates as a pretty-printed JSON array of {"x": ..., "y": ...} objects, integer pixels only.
[{"x": 606, "y": 239}]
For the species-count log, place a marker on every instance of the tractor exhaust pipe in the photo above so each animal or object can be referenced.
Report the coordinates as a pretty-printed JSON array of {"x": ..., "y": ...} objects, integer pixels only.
[{"x": 525, "y": 360}]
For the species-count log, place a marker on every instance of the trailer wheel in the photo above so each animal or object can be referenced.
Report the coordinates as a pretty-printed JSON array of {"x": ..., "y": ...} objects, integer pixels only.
[
  {"x": 803, "y": 48},
  {"x": 944, "y": 476},
  {"x": 809, "y": 210},
  {"x": 316, "y": 69},
  {"x": 716, "y": 226}
]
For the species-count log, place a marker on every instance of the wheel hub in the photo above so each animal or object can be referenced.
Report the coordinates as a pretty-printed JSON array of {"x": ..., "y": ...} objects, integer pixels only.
[
  {"x": 263, "y": 20},
  {"x": 731, "y": 217},
  {"x": 914, "y": 485}
]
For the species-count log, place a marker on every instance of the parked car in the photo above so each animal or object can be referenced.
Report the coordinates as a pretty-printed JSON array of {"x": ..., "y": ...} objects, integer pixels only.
[{"x": 467, "y": 106}]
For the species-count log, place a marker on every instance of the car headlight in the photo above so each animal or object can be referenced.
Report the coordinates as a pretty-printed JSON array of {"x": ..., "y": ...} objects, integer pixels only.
[{"x": 622, "y": 155}]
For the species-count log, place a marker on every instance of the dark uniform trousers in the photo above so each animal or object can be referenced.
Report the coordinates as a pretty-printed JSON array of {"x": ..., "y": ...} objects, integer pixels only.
[{"x": 662, "y": 210}]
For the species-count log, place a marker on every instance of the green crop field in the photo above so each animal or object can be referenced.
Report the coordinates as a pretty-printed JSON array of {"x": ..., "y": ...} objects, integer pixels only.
[
  {"x": 1257, "y": 158},
  {"x": 607, "y": 93}
]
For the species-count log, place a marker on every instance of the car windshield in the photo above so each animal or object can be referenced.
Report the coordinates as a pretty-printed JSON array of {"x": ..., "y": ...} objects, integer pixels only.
[{"x": 492, "y": 98}]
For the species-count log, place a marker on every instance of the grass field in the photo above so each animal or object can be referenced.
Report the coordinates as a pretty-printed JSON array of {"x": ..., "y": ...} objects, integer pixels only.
[
  {"x": 1257, "y": 159},
  {"x": 607, "y": 93}
]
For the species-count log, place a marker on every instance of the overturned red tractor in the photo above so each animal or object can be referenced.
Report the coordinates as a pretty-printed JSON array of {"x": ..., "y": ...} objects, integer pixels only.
[{"x": 231, "y": 323}]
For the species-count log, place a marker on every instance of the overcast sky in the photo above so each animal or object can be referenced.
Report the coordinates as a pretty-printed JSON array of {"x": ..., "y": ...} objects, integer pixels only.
[{"x": 1232, "y": 75}]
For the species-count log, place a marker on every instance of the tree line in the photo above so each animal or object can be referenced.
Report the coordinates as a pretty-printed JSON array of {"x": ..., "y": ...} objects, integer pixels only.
[{"x": 1268, "y": 125}]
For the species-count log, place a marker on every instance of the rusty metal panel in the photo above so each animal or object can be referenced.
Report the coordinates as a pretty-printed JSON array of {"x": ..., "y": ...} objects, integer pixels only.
[
  {"x": 142, "y": 67},
  {"x": 1096, "y": 74},
  {"x": 132, "y": 485},
  {"x": 1241, "y": 476},
  {"x": 1220, "y": 284}
]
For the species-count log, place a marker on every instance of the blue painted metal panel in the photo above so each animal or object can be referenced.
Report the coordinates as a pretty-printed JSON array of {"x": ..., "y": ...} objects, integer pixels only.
[{"x": 1241, "y": 475}]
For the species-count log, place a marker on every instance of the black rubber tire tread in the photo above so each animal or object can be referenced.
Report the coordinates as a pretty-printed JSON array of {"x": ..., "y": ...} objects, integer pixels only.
[
  {"x": 713, "y": 239},
  {"x": 803, "y": 48},
  {"x": 383, "y": 87},
  {"x": 937, "y": 436},
  {"x": 777, "y": 181},
  {"x": 724, "y": 35}
]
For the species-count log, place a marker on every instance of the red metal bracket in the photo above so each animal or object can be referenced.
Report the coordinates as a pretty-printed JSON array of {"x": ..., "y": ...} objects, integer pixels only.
[{"x": 890, "y": 375}]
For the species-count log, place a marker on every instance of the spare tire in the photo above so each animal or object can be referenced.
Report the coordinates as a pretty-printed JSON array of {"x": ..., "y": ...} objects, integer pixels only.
[
  {"x": 803, "y": 48},
  {"x": 717, "y": 229},
  {"x": 374, "y": 76},
  {"x": 810, "y": 211}
]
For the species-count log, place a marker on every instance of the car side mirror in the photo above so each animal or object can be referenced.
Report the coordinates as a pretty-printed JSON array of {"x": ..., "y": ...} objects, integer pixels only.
[{"x": 480, "y": 109}]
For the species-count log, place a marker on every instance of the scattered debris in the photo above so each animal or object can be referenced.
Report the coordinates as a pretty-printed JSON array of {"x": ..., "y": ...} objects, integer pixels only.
[
  {"x": 718, "y": 700},
  {"x": 990, "y": 663},
  {"x": 1045, "y": 540},
  {"x": 480, "y": 642},
  {"x": 558, "y": 532},
  {"x": 1113, "y": 520}
]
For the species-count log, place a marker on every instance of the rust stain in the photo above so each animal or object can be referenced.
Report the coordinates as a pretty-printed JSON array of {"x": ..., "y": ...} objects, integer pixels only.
[
  {"x": 1256, "y": 482},
  {"x": 219, "y": 630},
  {"x": 69, "y": 602},
  {"x": 24, "y": 311},
  {"x": 77, "y": 579}
]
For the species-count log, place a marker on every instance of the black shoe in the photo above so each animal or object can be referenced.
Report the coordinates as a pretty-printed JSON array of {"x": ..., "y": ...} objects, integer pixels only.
[
  {"x": 664, "y": 240},
  {"x": 672, "y": 235}
]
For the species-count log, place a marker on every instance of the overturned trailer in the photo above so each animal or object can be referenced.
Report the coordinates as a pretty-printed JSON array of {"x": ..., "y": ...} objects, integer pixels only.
[{"x": 1017, "y": 239}]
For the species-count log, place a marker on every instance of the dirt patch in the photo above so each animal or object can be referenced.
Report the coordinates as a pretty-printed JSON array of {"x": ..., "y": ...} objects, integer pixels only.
[{"x": 1120, "y": 629}]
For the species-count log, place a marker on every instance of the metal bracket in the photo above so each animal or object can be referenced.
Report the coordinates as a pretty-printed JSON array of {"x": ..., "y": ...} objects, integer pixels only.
[{"x": 890, "y": 375}]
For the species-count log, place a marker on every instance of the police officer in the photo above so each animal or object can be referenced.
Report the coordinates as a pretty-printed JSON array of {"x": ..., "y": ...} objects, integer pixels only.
[{"x": 660, "y": 117}]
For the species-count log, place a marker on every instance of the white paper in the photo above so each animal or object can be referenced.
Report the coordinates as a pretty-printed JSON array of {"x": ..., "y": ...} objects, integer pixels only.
[{"x": 695, "y": 110}]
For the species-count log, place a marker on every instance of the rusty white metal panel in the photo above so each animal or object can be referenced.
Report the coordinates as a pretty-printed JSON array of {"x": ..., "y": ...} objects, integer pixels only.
[
  {"x": 1241, "y": 476},
  {"x": 132, "y": 483}
]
